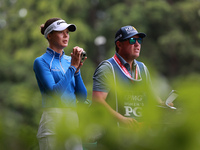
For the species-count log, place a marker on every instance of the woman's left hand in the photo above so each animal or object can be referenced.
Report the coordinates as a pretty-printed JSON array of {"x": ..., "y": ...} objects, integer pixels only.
[{"x": 76, "y": 57}]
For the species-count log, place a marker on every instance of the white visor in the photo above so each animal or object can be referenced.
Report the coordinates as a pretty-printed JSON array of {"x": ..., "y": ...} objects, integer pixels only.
[{"x": 59, "y": 25}]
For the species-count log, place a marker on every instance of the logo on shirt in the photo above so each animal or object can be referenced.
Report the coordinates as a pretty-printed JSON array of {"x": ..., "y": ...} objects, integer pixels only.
[{"x": 55, "y": 69}]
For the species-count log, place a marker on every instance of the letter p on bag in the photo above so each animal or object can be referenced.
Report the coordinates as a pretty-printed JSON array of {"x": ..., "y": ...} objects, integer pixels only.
[{"x": 128, "y": 110}]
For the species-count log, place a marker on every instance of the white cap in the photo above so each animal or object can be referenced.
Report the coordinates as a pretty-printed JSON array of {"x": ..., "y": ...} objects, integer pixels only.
[{"x": 59, "y": 25}]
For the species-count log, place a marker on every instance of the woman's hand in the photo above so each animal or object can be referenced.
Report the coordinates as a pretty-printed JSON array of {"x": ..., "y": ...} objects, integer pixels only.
[{"x": 76, "y": 58}]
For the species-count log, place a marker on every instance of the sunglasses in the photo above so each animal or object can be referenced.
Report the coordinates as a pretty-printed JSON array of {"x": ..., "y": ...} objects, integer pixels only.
[{"x": 133, "y": 40}]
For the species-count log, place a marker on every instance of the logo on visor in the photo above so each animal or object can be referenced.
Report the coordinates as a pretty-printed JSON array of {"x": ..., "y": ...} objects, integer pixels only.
[{"x": 58, "y": 23}]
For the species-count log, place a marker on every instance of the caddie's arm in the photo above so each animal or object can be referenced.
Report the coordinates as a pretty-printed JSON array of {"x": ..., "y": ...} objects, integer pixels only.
[{"x": 99, "y": 97}]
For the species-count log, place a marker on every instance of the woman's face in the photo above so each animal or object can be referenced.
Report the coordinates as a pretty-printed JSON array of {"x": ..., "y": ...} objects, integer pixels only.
[{"x": 59, "y": 39}]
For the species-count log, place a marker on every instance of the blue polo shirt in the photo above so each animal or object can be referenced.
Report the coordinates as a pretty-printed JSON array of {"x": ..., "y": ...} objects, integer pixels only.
[{"x": 59, "y": 85}]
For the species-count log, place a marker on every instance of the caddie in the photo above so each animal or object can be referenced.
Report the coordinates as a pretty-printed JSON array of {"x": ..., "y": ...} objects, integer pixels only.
[{"x": 121, "y": 84}]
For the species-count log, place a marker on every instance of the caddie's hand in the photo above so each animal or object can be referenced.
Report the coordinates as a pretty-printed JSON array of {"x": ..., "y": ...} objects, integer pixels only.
[
  {"x": 171, "y": 104},
  {"x": 130, "y": 122}
]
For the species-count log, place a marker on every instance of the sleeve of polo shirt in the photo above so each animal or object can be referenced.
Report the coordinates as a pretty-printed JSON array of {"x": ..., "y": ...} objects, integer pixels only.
[
  {"x": 101, "y": 78},
  {"x": 80, "y": 89}
]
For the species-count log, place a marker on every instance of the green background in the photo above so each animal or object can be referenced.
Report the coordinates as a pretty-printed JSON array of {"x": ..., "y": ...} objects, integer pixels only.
[{"x": 170, "y": 51}]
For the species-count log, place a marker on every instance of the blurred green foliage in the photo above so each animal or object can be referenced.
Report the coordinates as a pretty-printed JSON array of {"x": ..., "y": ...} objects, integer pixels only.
[{"x": 171, "y": 48}]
